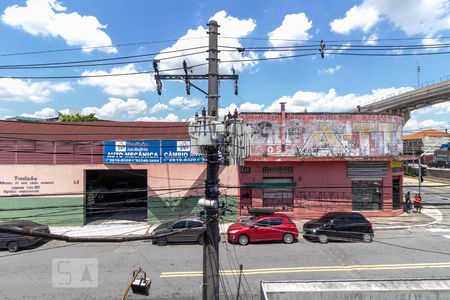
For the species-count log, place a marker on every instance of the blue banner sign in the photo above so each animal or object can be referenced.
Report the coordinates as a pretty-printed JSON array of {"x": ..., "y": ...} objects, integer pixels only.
[
  {"x": 179, "y": 152},
  {"x": 132, "y": 152}
]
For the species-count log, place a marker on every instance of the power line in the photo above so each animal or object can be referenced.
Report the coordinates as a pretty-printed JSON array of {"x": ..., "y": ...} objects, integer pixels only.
[
  {"x": 106, "y": 59},
  {"x": 334, "y": 41},
  {"x": 99, "y": 47},
  {"x": 95, "y": 76},
  {"x": 39, "y": 66},
  {"x": 71, "y": 65}
]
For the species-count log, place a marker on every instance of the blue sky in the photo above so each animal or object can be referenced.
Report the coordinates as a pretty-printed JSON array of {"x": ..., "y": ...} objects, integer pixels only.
[{"x": 335, "y": 83}]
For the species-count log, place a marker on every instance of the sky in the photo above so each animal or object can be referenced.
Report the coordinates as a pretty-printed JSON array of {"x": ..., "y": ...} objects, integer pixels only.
[{"x": 50, "y": 31}]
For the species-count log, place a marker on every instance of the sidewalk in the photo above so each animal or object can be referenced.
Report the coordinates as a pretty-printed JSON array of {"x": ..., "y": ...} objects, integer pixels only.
[{"x": 429, "y": 216}]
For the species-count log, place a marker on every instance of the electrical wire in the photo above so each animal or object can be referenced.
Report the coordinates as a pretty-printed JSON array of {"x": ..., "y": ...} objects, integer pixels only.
[
  {"x": 39, "y": 66},
  {"x": 99, "y": 47},
  {"x": 106, "y": 59}
]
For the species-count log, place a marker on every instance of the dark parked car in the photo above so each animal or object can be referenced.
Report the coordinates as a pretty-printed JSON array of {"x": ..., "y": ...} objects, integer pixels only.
[
  {"x": 193, "y": 231},
  {"x": 263, "y": 228},
  {"x": 339, "y": 226},
  {"x": 14, "y": 242}
]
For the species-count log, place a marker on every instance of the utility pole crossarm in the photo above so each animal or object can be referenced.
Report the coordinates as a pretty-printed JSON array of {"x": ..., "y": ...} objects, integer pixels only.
[{"x": 195, "y": 77}]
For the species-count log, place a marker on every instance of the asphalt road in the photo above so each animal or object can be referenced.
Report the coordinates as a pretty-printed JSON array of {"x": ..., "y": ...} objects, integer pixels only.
[{"x": 411, "y": 253}]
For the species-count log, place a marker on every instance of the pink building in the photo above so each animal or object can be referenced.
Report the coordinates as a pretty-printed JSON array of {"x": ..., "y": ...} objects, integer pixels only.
[{"x": 306, "y": 164}]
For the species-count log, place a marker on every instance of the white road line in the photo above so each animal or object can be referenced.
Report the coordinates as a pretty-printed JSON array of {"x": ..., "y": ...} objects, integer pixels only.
[
  {"x": 439, "y": 229},
  {"x": 446, "y": 236}
]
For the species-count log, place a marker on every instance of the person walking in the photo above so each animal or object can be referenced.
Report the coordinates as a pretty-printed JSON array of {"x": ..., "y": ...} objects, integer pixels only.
[{"x": 418, "y": 203}]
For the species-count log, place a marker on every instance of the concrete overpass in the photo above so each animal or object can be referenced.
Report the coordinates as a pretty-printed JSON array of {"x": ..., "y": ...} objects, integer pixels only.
[{"x": 403, "y": 104}]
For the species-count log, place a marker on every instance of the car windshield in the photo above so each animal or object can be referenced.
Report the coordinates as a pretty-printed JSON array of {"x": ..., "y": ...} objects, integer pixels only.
[{"x": 247, "y": 220}]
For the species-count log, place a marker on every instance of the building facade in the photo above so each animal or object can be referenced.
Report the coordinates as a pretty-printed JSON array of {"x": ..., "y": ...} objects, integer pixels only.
[
  {"x": 72, "y": 173},
  {"x": 419, "y": 142},
  {"x": 307, "y": 164}
]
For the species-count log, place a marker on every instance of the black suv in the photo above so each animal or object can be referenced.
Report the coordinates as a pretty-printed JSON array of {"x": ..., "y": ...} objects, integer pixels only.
[{"x": 346, "y": 226}]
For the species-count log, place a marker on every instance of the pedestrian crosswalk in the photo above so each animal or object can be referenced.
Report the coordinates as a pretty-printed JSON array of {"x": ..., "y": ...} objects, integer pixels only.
[{"x": 441, "y": 230}]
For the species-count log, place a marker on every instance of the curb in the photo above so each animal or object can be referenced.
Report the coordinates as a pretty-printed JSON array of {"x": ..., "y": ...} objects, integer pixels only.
[{"x": 437, "y": 219}]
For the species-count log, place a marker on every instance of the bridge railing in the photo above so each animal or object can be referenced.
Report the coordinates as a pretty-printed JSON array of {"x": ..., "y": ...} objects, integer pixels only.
[{"x": 425, "y": 84}]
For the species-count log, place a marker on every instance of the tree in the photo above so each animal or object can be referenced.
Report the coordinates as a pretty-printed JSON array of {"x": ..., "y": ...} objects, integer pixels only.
[{"x": 77, "y": 117}]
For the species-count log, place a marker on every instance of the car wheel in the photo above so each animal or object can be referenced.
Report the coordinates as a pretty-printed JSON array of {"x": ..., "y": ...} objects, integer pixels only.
[
  {"x": 161, "y": 241},
  {"x": 367, "y": 238},
  {"x": 243, "y": 240},
  {"x": 13, "y": 246},
  {"x": 288, "y": 238},
  {"x": 201, "y": 239},
  {"x": 323, "y": 238}
]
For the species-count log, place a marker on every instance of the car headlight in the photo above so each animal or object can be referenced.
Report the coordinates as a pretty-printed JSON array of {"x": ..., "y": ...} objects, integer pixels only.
[{"x": 233, "y": 231}]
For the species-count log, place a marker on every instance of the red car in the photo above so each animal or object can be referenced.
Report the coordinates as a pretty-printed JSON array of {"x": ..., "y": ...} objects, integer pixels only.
[{"x": 263, "y": 228}]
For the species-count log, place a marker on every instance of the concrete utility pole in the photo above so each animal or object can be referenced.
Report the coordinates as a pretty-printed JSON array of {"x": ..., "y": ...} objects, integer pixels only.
[
  {"x": 211, "y": 247},
  {"x": 208, "y": 135}
]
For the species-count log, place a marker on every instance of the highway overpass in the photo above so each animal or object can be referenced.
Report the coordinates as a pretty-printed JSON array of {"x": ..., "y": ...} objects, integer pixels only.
[{"x": 403, "y": 104}]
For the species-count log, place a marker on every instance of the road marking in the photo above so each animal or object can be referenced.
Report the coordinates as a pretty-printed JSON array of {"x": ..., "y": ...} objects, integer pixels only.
[
  {"x": 446, "y": 236},
  {"x": 313, "y": 269},
  {"x": 439, "y": 229}
]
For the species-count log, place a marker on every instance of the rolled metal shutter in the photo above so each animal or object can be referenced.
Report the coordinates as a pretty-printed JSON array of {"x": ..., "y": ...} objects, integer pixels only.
[{"x": 375, "y": 170}]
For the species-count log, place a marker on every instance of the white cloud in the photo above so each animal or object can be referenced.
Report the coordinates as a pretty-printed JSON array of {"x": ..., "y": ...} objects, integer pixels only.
[
  {"x": 44, "y": 113},
  {"x": 244, "y": 107},
  {"x": 413, "y": 125},
  {"x": 185, "y": 103},
  {"x": 251, "y": 107},
  {"x": 48, "y": 18},
  {"x": 117, "y": 108},
  {"x": 414, "y": 17},
  {"x": 169, "y": 118},
  {"x": 158, "y": 107},
  {"x": 358, "y": 17},
  {"x": 429, "y": 41},
  {"x": 125, "y": 86},
  {"x": 330, "y": 70},
  {"x": 229, "y": 26},
  {"x": 330, "y": 101},
  {"x": 292, "y": 31},
  {"x": 437, "y": 109},
  {"x": 21, "y": 90},
  {"x": 372, "y": 40}
]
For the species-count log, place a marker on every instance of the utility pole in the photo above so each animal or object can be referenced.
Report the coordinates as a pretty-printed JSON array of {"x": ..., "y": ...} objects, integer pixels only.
[
  {"x": 207, "y": 137},
  {"x": 211, "y": 248}
]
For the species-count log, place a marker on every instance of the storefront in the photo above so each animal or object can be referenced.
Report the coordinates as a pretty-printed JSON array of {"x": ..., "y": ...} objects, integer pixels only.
[
  {"x": 74, "y": 173},
  {"x": 307, "y": 164}
]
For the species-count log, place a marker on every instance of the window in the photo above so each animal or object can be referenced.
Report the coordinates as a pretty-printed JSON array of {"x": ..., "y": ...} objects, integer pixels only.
[
  {"x": 263, "y": 223},
  {"x": 355, "y": 219},
  {"x": 194, "y": 223},
  {"x": 276, "y": 222},
  {"x": 339, "y": 221},
  {"x": 285, "y": 170},
  {"x": 366, "y": 195},
  {"x": 278, "y": 196},
  {"x": 179, "y": 225},
  {"x": 245, "y": 169}
]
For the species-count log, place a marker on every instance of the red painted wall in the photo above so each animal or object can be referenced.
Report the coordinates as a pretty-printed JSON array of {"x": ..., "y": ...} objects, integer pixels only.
[{"x": 321, "y": 187}]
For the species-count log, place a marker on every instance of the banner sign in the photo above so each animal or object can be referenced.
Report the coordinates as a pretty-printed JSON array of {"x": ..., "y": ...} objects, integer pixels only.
[
  {"x": 149, "y": 152},
  {"x": 179, "y": 152},
  {"x": 132, "y": 152}
]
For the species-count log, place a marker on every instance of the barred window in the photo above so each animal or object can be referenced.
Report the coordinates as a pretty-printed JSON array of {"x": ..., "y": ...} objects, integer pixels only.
[
  {"x": 284, "y": 170},
  {"x": 245, "y": 169}
]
